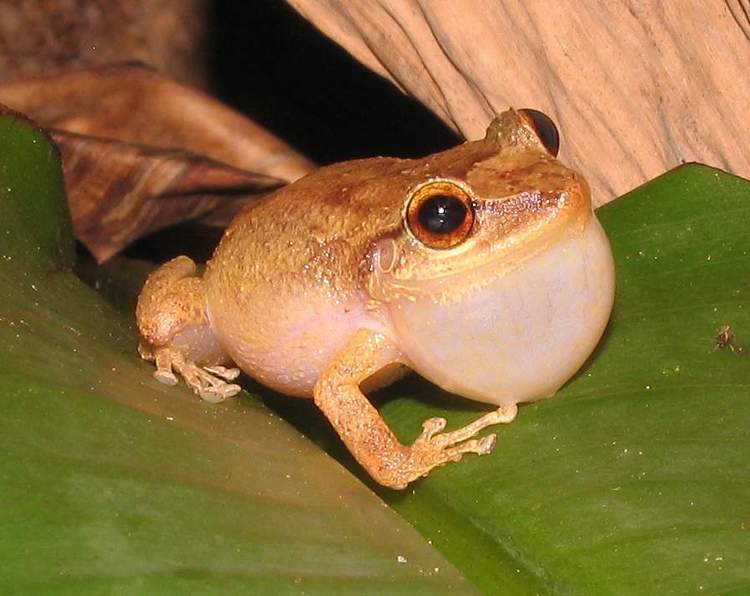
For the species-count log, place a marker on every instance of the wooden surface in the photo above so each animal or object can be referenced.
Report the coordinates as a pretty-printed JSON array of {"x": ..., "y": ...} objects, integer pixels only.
[{"x": 636, "y": 86}]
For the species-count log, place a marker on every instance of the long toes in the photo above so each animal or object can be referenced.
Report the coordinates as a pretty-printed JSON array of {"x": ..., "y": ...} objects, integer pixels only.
[
  {"x": 213, "y": 389},
  {"x": 165, "y": 376},
  {"x": 507, "y": 413},
  {"x": 481, "y": 446},
  {"x": 228, "y": 374},
  {"x": 431, "y": 427},
  {"x": 207, "y": 380},
  {"x": 216, "y": 395},
  {"x": 210, "y": 388}
]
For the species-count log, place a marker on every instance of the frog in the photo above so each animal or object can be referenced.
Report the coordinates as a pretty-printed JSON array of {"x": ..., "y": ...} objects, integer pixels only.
[{"x": 482, "y": 268}]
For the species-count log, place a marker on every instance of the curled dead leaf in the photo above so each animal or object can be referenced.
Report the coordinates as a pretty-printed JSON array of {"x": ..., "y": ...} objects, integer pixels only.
[
  {"x": 121, "y": 191},
  {"x": 141, "y": 152},
  {"x": 133, "y": 103}
]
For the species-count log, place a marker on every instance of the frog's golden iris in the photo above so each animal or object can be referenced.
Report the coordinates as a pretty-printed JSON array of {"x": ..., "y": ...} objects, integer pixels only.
[{"x": 440, "y": 214}]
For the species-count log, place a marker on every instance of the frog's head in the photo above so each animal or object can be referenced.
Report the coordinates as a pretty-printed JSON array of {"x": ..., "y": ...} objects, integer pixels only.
[{"x": 501, "y": 280}]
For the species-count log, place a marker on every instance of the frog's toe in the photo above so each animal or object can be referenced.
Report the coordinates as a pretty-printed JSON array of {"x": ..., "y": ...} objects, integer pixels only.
[
  {"x": 506, "y": 413},
  {"x": 431, "y": 427},
  {"x": 486, "y": 444},
  {"x": 228, "y": 374},
  {"x": 162, "y": 358},
  {"x": 216, "y": 395},
  {"x": 211, "y": 388},
  {"x": 165, "y": 376},
  {"x": 454, "y": 452}
]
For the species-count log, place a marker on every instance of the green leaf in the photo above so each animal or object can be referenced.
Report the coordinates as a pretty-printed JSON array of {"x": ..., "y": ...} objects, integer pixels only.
[
  {"x": 111, "y": 482},
  {"x": 635, "y": 478},
  {"x": 35, "y": 230}
]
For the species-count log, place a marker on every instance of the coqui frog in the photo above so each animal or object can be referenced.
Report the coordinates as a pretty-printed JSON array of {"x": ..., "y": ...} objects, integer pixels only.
[{"x": 482, "y": 268}]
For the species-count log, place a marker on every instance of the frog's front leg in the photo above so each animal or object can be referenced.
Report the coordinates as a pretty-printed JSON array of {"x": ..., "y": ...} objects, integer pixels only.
[
  {"x": 365, "y": 433},
  {"x": 176, "y": 334}
]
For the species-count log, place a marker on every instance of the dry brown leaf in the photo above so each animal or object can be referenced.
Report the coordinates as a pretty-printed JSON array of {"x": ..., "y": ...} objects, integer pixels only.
[
  {"x": 135, "y": 104},
  {"x": 636, "y": 86},
  {"x": 141, "y": 152},
  {"x": 123, "y": 191}
]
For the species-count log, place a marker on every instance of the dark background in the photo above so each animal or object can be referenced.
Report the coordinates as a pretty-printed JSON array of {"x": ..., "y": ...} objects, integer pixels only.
[
  {"x": 268, "y": 62},
  {"x": 271, "y": 64}
]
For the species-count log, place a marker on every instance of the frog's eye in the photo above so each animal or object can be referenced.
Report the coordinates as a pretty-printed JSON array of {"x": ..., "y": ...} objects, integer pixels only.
[
  {"x": 545, "y": 129},
  {"x": 440, "y": 214}
]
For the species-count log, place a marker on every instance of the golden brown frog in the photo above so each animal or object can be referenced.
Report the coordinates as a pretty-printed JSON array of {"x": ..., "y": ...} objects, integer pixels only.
[{"x": 482, "y": 268}]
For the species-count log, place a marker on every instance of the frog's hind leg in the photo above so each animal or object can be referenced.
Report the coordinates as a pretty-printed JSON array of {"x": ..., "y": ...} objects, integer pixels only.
[{"x": 176, "y": 334}]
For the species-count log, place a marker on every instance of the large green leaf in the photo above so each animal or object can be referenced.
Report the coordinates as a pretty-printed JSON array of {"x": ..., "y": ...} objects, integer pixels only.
[{"x": 113, "y": 483}]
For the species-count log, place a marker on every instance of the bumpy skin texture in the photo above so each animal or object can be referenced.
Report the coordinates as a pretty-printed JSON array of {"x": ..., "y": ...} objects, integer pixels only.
[{"x": 321, "y": 289}]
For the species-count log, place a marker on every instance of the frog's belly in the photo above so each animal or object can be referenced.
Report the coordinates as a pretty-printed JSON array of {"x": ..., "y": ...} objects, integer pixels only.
[{"x": 288, "y": 344}]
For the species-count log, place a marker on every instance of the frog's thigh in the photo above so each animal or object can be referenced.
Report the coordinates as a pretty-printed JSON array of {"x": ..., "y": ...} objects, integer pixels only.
[
  {"x": 176, "y": 335},
  {"x": 365, "y": 433}
]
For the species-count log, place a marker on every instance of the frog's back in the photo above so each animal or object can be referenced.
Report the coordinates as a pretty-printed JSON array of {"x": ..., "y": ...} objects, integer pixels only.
[
  {"x": 353, "y": 203},
  {"x": 284, "y": 285},
  {"x": 288, "y": 229}
]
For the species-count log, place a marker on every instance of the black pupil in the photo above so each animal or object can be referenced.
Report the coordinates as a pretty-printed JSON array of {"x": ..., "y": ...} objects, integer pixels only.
[
  {"x": 442, "y": 214},
  {"x": 546, "y": 130}
]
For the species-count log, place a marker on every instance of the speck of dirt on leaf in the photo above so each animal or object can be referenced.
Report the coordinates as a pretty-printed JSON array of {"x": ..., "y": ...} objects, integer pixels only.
[{"x": 725, "y": 339}]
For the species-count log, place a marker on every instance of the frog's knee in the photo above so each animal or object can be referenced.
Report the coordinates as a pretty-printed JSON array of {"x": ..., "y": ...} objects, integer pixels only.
[
  {"x": 165, "y": 278},
  {"x": 171, "y": 301}
]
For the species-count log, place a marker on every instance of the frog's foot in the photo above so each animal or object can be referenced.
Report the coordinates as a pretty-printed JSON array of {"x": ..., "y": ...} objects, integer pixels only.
[
  {"x": 228, "y": 374},
  {"x": 432, "y": 426},
  {"x": 209, "y": 382},
  {"x": 434, "y": 448},
  {"x": 209, "y": 386},
  {"x": 175, "y": 332}
]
